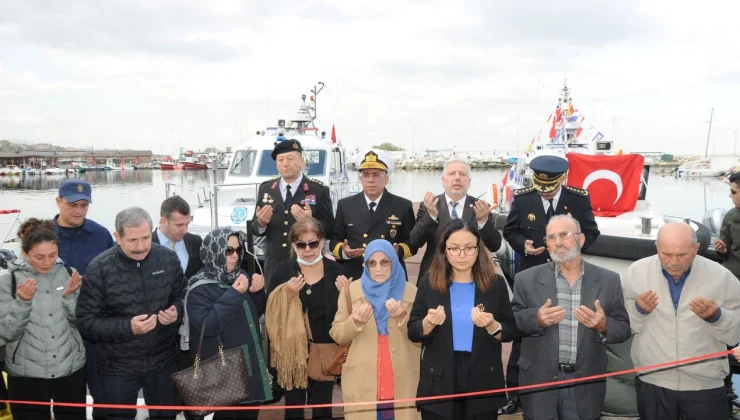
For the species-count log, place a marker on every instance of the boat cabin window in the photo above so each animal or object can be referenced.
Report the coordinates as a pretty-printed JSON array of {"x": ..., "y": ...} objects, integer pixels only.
[
  {"x": 315, "y": 163},
  {"x": 243, "y": 163},
  {"x": 336, "y": 162}
]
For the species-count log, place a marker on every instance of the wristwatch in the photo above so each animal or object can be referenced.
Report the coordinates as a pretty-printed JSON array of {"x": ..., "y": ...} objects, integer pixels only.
[{"x": 498, "y": 330}]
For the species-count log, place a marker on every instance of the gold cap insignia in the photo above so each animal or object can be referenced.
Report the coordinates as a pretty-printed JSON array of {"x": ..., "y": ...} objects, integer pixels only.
[
  {"x": 371, "y": 157},
  {"x": 295, "y": 145},
  {"x": 80, "y": 188}
]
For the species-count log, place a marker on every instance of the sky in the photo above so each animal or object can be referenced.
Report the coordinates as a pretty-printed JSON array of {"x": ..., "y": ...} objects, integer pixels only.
[{"x": 478, "y": 75}]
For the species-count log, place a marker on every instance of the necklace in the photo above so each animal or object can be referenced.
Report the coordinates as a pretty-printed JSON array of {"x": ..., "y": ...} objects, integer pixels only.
[{"x": 308, "y": 289}]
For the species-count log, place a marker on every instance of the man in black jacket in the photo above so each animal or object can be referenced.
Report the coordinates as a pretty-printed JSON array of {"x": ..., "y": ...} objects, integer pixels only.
[
  {"x": 131, "y": 307},
  {"x": 436, "y": 212}
]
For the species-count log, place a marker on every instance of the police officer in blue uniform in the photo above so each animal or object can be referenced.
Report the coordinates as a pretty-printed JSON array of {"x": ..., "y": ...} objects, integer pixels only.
[{"x": 525, "y": 230}]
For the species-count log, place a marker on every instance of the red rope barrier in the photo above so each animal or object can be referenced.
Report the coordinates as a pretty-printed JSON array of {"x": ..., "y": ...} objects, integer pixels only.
[{"x": 396, "y": 401}]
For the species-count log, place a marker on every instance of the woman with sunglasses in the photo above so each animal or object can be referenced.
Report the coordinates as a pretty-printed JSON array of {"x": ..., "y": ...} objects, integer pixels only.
[
  {"x": 224, "y": 299},
  {"x": 311, "y": 282},
  {"x": 382, "y": 363},
  {"x": 460, "y": 316}
]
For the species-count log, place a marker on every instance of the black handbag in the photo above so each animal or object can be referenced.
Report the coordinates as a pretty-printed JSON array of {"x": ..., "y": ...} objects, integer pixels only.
[{"x": 221, "y": 380}]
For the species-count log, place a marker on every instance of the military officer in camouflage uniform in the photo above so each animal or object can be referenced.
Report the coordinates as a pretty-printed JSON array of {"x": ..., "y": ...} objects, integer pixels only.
[
  {"x": 284, "y": 200},
  {"x": 525, "y": 229},
  {"x": 372, "y": 214}
]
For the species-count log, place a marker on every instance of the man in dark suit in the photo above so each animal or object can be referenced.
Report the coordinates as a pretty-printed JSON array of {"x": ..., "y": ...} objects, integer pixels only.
[
  {"x": 435, "y": 213},
  {"x": 371, "y": 214},
  {"x": 525, "y": 227},
  {"x": 284, "y": 200},
  {"x": 173, "y": 234},
  {"x": 567, "y": 311}
]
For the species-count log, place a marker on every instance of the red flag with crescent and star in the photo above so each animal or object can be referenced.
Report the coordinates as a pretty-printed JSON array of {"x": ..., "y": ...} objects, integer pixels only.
[{"x": 613, "y": 182}]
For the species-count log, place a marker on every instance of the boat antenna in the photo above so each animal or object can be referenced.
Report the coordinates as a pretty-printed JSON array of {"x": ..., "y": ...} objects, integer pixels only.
[
  {"x": 315, "y": 92},
  {"x": 706, "y": 151}
]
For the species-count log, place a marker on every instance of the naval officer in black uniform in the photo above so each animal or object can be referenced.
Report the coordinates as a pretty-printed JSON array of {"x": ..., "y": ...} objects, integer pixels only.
[
  {"x": 283, "y": 200},
  {"x": 371, "y": 214},
  {"x": 525, "y": 229}
]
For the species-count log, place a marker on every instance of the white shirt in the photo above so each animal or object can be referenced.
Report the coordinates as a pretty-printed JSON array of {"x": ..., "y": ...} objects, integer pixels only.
[
  {"x": 376, "y": 201},
  {"x": 546, "y": 203},
  {"x": 293, "y": 187},
  {"x": 180, "y": 249},
  {"x": 459, "y": 209}
]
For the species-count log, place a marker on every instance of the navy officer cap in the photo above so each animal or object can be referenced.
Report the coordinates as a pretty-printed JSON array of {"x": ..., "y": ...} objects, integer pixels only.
[
  {"x": 548, "y": 172},
  {"x": 74, "y": 190},
  {"x": 285, "y": 146}
]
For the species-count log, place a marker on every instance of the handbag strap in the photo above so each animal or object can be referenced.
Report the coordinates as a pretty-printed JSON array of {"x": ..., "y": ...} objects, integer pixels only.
[{"x": 196, "y": 363}]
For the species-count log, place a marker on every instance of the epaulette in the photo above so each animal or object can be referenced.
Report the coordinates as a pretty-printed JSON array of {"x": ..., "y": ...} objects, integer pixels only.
[
  {"x": 316, "y": 181},
  {"x": 578, "y": 191},
  {"x": 270, "y": 180},
  {"x": 521, "y": 191}
]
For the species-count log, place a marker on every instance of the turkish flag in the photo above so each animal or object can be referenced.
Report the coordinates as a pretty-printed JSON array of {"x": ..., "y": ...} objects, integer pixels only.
[{"x": 613, "y": 182}]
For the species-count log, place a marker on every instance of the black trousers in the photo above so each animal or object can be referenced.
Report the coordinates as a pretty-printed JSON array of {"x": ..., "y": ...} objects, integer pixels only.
[
  {"x": 462, "y": 385},
  {"x": 658, "y": 403},
  {"x": 124, "y": 390},
  {"x": 69, "y": 389},
  {"x": 317, "y": 393},
  {"x": 512, "y": 367},
  {"x": 3, "y": 389}
]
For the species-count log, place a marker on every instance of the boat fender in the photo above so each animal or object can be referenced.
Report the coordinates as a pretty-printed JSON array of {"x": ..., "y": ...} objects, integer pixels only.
[{"x": 494, "y": 196}]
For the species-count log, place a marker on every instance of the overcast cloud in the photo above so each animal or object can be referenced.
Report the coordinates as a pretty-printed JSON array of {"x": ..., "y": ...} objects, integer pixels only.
[{"x": 122, "y": 73}]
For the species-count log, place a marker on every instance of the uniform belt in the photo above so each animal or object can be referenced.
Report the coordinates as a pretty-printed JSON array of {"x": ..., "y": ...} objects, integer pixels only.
[{"x": 566, "y": 368}]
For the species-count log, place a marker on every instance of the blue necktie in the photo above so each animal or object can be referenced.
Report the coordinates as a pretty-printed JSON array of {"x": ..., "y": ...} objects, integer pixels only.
[{"x": 454, "y": 211}]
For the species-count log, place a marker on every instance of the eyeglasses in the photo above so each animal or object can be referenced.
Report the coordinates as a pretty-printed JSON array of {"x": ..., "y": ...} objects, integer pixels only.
[
  {"x": 562, "y": 235},
  {"x": 303, "y": 245},
  {"x": 230, "y": 250},
  {"x": 383, "y": 263},
  {"x": 468, "y": 250},
  {"x": 733, "y": 192}
]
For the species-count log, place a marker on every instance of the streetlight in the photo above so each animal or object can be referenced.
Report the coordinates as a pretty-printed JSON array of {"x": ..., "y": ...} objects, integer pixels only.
[
  {"x": 240, "y": 134},
  {"x": 179, "y": 144}
]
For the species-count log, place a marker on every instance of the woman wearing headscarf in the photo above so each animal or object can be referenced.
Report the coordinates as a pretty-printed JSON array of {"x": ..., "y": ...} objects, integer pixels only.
[
  {"x": 382, "y": 362},
  {"x": 222, "y": 296},
  {"x": 461, "y": 315},
  {"x": 306, "y": 283}
]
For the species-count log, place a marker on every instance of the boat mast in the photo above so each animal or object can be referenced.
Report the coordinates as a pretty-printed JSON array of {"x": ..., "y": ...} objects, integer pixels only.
[
  {"x": 315, "y": 98},
  {"x": 706, "y": 151}
]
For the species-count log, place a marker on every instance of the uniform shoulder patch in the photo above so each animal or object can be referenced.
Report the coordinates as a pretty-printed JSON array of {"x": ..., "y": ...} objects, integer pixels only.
[
  {"x": 578, "y": 191},
  {"x": 316, "y": 181},
  {"x": 270, "y": 180},
  {"x": 521, "y": 191}
]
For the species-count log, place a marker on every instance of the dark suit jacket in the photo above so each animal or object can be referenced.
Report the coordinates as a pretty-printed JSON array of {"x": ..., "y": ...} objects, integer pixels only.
[
  {"x": 192, "y": 244},
  {"x": 278, "y": 230},
  {"x": 538, "y": 362},
  {"x": 393, "y": 221},
  {"x": 527, "y": 220},
  {"x": 437, "y": 376},
  {"x": 429, "y": 231}
]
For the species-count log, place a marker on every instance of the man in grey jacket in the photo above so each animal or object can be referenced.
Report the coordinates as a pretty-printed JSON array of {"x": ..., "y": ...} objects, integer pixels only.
[
  {"x": 681, "y": 305},
  {"x": 567, "y": 311}
]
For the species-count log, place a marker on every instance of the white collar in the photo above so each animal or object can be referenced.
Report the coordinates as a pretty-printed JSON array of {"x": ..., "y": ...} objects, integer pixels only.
[
  {"x": 460, "y": 202},
  {"x": 293, "y": 185},
  {"x": 368, "y": 200}
]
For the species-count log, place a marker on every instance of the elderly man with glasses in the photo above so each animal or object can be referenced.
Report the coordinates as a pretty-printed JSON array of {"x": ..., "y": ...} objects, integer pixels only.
[{"x": 566, "y": 310}]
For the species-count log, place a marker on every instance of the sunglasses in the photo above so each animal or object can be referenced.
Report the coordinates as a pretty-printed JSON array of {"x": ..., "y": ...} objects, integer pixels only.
[
  {"x": 733, "y": 192},
  {"x": 303, "y": 245},
  {"x": 383, "y": 263},
  {"x": 230, "y": 250}
]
